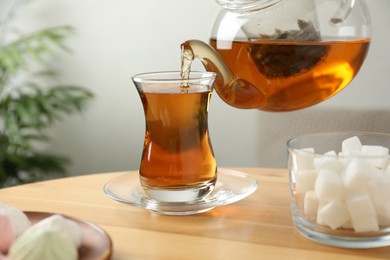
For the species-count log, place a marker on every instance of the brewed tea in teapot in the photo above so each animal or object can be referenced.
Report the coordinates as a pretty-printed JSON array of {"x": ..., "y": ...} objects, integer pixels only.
[{"x": 282, "y": 55}]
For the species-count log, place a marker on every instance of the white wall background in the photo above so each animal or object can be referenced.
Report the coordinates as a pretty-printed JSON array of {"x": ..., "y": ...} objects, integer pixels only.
[{"x": 117, "y": 39}]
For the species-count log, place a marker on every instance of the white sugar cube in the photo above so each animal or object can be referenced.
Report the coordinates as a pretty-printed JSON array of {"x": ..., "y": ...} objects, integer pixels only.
[
  {"x": 386, "y": 210},
  {"x": 362, "y": 212},
  {"x": 376, "y": 151},
  {"x": 358, "y": 174},
  {"x": 383, "y": 213},
  {"x": 346, "y": 157},
  {"x": 386, "y": 173},
  {"x": 360, "y": 206},
  {"x": 331, "y": 154},
  {"x": 365, "y": 224},
  {"x": 351, "y": 144},
  {"x": 327, "y": 161},
  {"x": 310, "y": 204},
  {"x": 347, "y": 224},
  {"x": 328, "y": 186},
  {"x": 303, "y": 159},
  {"x": 305, "y": 181},
  {"x": 379, "y": 189},
  {"x": 383, "y": 221},
  {"x": 321, "y": 204},
  {"x": 334, "y": 214}
]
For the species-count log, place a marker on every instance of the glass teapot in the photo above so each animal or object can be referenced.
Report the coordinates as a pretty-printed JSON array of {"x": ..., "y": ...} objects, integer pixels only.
[{"x": 282, "y": 55}]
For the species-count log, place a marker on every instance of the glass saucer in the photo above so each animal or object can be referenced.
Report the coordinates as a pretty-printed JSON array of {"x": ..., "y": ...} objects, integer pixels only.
[{"x": 231, "y": 186}]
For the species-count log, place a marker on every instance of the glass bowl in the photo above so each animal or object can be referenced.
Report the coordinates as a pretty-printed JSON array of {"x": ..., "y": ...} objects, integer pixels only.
[{"x": 340, "y": 188}]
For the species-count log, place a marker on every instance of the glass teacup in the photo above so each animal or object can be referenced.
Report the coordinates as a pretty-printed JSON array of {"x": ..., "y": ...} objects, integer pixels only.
[{"x": 177, "y": 163}]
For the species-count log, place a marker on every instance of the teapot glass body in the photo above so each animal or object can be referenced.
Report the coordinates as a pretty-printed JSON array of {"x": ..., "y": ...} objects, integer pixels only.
[{"x": 282, "y": 55}]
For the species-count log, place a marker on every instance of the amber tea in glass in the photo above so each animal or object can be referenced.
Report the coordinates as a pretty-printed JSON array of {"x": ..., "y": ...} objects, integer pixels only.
[{"x": 177, "y": 163}]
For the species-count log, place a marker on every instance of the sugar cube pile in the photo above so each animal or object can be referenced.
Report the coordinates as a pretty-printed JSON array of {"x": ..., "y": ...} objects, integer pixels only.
[{"x": 349, "y": 189}]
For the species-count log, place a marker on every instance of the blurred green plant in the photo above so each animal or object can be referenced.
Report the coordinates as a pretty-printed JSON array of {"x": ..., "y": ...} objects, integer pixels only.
[{"x": 28, "y": 106}]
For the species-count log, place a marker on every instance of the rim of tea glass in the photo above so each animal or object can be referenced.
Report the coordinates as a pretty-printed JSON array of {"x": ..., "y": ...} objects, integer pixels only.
[
  {"x": 173, "y": 77},
  {"x": 291, "y": 146}
]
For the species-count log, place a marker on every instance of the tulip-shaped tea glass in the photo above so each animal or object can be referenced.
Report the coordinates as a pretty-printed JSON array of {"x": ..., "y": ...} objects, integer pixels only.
[
  {"x": 340, "y": 188},
  {"x": 177, "y": 163}
]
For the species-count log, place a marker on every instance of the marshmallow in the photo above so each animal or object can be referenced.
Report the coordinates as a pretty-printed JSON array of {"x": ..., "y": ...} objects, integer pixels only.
[
  {"x": 7, "y": 233},
  {"x": 43, "y": 244},
  {"x": 19, "y": 220},
  {"x": 61, "y": 224},
  {"x": 13, "y": 222}
]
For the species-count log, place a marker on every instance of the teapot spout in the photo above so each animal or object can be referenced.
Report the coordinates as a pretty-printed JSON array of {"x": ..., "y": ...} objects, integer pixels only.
[{"x": 232, "y": 90}]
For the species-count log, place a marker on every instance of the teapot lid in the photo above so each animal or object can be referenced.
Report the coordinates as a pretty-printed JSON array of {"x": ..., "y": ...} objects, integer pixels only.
[
  {"x": 246, "y": 5},
  {"x": 342, "y": 14}
]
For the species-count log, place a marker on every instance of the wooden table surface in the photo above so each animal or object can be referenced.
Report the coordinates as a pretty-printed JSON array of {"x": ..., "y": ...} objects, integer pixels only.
[{"x": 257, "y": 227}]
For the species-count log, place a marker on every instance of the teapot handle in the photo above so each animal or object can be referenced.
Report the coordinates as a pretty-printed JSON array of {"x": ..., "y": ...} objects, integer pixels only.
[{"x": 234, "y": 91}]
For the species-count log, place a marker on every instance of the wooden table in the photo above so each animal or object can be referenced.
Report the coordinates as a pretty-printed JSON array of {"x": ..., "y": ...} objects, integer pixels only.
[{"x": 258, "y": 227}]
